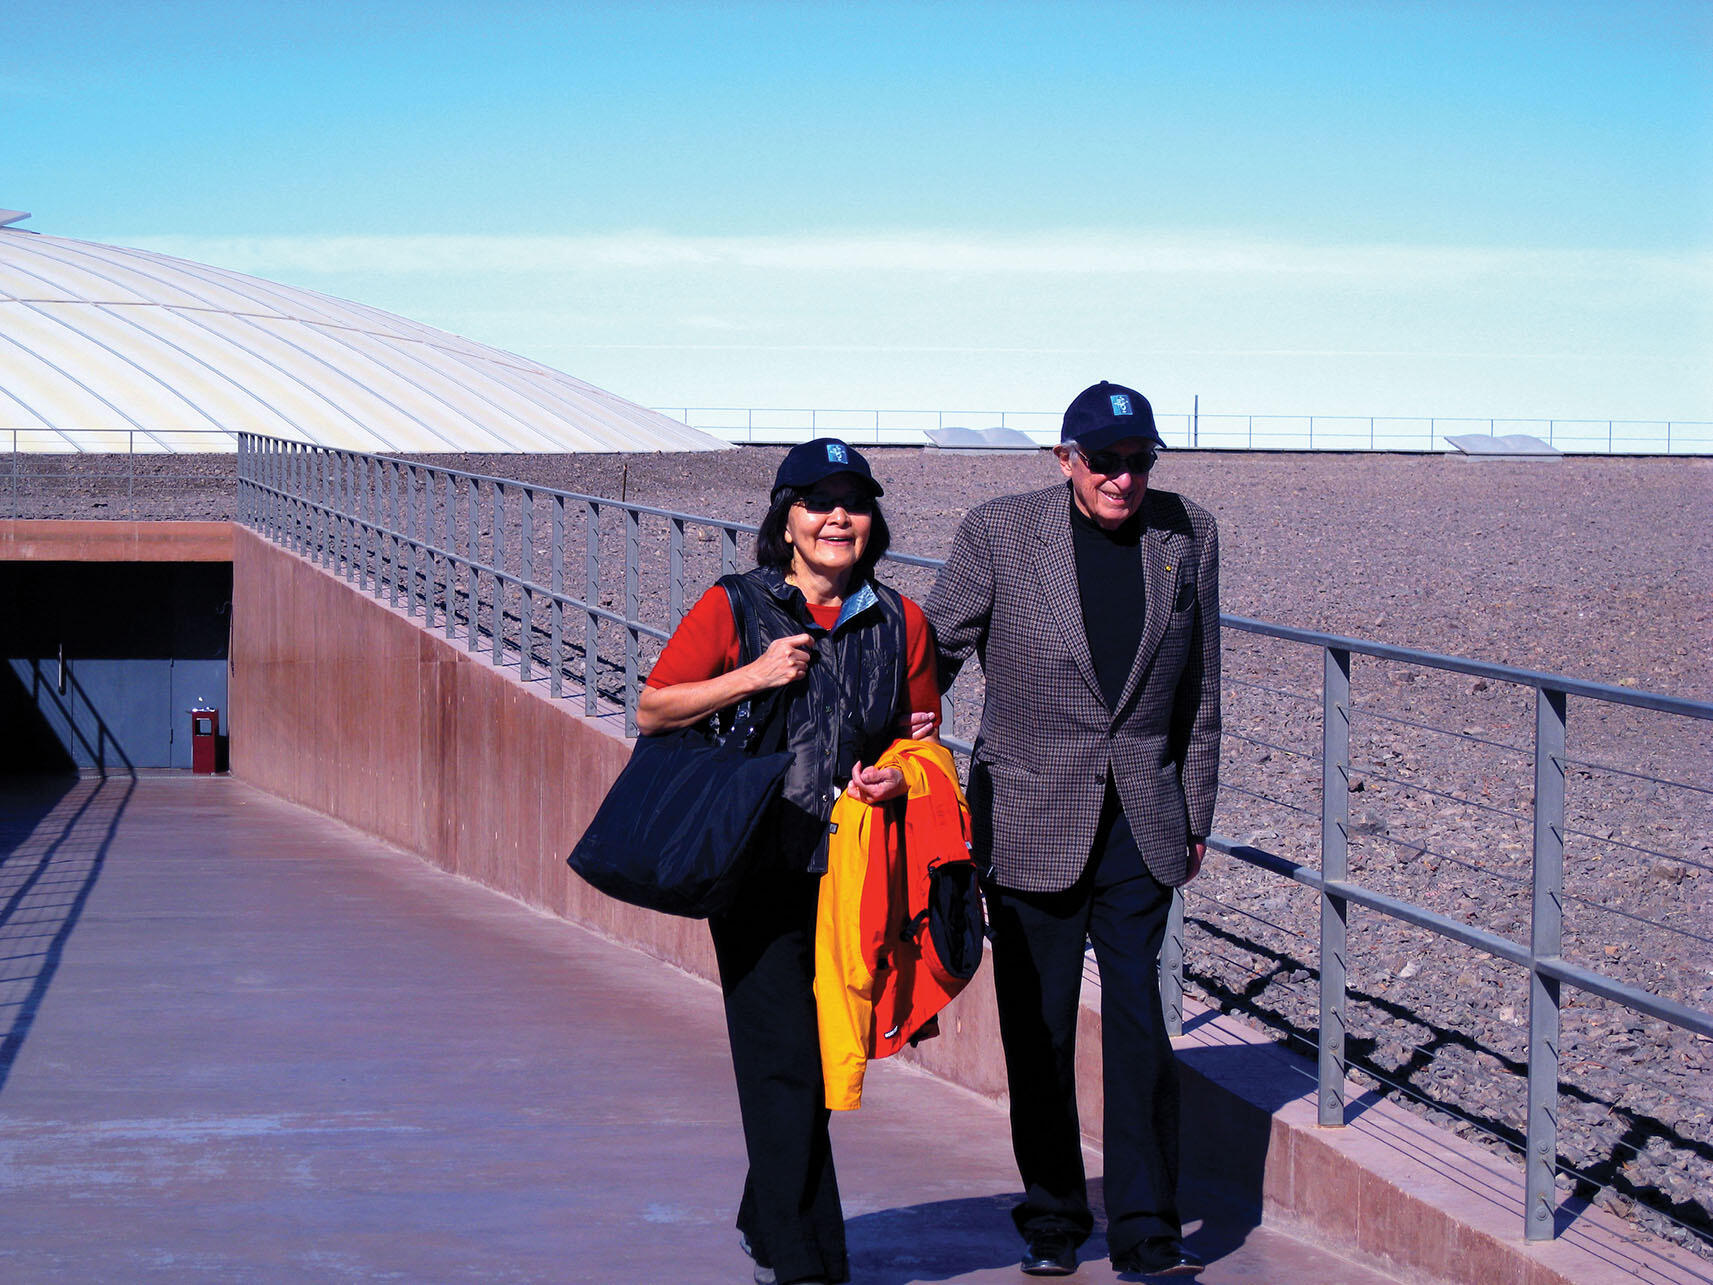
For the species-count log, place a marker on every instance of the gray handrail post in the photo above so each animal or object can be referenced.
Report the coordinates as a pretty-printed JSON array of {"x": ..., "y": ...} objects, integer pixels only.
[
  {"x": 556, "y": 616},
  {"x": 1334, "y": 865},
  {"x": 728, "y": 551},
  {"x": 1172, "y": 966},
  {"x": 312, "y": 497},
  {"x": 327, "y": 486},
  {"x": 437, "y": 565},
  {"x": 418, "y": 483},
  {"x": 355, "y": 473},
  {"x": 449, "y": 542},
  {"x": 633, "y": 610},
  {"x": 473, "y": 555},
  {"x": 1545, "y": 942},
  {"x": 591, "y": 600},
  {"x": 391, "y": 520},
  {"x": 342, "y": 507},
  {"x": 675, "y": 571},
  {"x": 497, "y": 552},
  {"x": 407, "y": 533},
  {"x": 526, "y": 573},
  {"x": 361, "y": 508},
  {"x": 329, "y": 526},
  {"x": 288, "y": 506},
  {"x": 300, "y": 501}
]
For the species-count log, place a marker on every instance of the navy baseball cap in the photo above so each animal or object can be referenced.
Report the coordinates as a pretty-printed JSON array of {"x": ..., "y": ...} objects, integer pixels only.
[
  {"x": 1108, "y": 413},
  {"x": 805, "y": 465}
]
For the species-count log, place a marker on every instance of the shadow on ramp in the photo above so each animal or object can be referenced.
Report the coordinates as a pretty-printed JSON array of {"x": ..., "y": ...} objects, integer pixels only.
[
  {"x": 54, "y": 836},
  {"x": 948, "y": 1239}
]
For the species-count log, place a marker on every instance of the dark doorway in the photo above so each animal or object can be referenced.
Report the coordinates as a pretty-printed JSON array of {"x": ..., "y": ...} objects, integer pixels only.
[{"x": 100, "y": 662}]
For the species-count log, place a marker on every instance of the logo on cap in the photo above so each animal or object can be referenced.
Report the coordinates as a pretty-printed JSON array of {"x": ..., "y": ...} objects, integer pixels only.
[
  {"x": 836, "y": 453},
  {"x": 1120, "y": 404}
]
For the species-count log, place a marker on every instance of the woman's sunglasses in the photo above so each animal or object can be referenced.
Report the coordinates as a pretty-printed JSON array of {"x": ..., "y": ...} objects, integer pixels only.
[
  {"x": 855, "y": 503},
  {"x": 1112, "y": 463}
]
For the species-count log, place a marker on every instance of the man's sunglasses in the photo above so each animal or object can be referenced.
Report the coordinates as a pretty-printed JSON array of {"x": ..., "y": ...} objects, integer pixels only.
[
  {"x": 1112, "y": 463},
  {"x": 855, "y": 503}
]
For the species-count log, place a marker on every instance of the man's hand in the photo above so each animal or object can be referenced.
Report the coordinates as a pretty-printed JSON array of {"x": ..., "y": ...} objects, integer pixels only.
[
  {"x": 921, "y": 725},
  {"x": 875, "y": 784},
  {"x": 1197, "y": 852}
]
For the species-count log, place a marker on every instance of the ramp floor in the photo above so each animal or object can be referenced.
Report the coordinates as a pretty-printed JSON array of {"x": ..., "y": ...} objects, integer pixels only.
[{"x": 242, "y": 1042}]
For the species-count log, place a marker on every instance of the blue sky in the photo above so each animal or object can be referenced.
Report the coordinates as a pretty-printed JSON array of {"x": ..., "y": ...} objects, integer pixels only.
[{"x": 1341, "y": 208}]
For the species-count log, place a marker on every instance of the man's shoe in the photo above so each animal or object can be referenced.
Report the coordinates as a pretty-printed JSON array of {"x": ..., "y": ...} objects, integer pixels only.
[
  {"x": 1158, "y": 1256},
  {"x": 1049, "y": 1254}
]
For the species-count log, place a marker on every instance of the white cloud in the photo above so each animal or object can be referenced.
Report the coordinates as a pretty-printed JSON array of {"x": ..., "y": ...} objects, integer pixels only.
[{"x": 921, "y": 253}]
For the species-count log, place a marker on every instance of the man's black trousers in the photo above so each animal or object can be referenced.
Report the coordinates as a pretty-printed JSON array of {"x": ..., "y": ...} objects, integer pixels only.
[
  {"x": 766, "y": 949},
  {"x": 1038, "y": 950}
]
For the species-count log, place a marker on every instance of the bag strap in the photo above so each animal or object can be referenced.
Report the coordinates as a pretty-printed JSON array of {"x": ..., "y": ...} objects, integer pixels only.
[{"x": 758, "y": 722}]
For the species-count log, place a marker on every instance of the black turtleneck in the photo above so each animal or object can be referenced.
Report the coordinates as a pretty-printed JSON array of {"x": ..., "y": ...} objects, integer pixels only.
[{"x": 1111, "y": 586}]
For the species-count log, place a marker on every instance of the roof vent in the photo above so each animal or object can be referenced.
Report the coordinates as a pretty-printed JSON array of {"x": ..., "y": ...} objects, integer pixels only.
[{"x": 9, "y": 217}]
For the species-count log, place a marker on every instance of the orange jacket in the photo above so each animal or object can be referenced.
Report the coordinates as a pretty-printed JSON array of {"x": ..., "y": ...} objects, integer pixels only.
[{"x": 873, "y": 994}]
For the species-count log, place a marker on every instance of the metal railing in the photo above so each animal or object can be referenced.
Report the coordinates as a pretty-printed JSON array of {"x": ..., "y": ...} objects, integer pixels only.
[
  {"x": 461, "y": 550},
  {"x": 1201, "y": 430},
  {"x": 152, "y": 464}
]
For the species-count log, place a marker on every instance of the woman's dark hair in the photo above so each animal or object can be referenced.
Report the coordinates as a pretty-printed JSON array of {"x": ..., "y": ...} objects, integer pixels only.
[{"x": 772, "y": 549}]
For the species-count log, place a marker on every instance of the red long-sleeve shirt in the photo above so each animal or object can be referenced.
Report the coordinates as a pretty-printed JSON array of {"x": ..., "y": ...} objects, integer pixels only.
[{"x": 705, "y": 645}]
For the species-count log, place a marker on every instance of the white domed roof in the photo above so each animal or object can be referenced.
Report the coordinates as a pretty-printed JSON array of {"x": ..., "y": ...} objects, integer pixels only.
[{"x": 104, "y": 348}]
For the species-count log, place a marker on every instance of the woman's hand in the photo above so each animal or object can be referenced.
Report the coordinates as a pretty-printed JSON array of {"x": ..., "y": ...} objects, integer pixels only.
[
  {"x": 660, "y": 709},
  {"x": 873, "y": 785},
  {"x": 784, "y": 662}
]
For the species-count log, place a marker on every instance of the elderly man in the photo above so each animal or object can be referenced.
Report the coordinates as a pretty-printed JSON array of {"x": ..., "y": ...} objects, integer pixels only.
[{"x": 1094, "y": 607}]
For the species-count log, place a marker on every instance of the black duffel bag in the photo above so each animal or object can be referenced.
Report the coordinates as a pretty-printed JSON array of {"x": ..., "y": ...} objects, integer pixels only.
[{"x": 674, "y": 832}]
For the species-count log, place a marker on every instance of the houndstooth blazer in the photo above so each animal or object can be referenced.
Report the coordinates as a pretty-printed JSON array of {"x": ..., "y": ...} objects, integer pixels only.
[{"x": 1008, "y": 594}]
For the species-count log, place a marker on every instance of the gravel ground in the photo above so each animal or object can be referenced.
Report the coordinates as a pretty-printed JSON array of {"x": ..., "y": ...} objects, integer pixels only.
[{"x": 1600, "y": 568}]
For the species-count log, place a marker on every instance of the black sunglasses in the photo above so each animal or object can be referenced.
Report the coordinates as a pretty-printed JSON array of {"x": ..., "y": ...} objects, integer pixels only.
[
  {"x": 855, "y": 503},
  {"x": 1112, "y": 463}
]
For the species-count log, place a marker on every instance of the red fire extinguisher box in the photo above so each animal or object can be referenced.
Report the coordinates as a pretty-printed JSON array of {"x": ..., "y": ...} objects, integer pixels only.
[{"x": 204, "y": 739}]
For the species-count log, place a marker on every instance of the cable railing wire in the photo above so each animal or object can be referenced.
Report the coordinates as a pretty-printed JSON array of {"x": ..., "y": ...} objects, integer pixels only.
[
  {"x": 1363, "y": 711},
  {"x": 1227, "y": 681},
  {"x": 1662, "y": 924},
  {"x": 1248, "y": 914},
  {"x": 1267, "y": 798},
  {"x": 1631, "y": 847},
  {"x": 1472, "y": 867},
  {"x": 1370, "y": 773},
  {"x": 1639, "y": 776},
  {"x": 1269, "y": 745}
]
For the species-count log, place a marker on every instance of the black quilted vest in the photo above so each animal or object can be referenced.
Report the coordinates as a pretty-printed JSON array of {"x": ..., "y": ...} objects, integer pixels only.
[{"x": 845, "y": 709}]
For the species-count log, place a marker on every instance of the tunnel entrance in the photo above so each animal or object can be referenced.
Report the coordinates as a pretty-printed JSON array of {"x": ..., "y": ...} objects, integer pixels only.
[{"x": 100, "y": 662}]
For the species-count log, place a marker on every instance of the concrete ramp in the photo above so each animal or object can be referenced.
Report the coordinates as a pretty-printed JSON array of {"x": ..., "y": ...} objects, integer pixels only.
[{"x": 247, "y": 1043}]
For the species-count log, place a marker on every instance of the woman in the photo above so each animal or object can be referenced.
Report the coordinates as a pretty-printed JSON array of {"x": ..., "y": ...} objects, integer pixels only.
[{"x": 854, "y": 660}]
